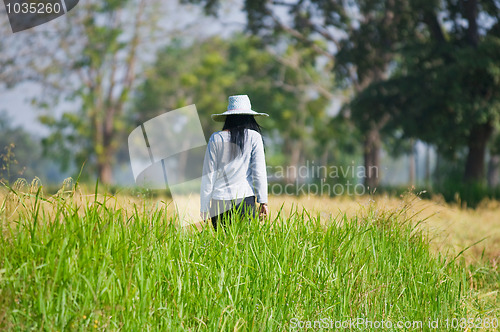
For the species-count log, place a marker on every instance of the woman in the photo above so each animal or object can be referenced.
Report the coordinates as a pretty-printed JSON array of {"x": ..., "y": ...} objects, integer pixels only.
[{"x": 234, "y": 169}]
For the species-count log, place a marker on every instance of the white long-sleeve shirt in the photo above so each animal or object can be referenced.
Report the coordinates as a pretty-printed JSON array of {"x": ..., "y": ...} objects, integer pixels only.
[{"x": 245, "y": 175}]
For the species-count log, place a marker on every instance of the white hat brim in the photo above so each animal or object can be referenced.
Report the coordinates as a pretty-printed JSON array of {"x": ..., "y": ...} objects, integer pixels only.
[{"x": 222, "y": 117}]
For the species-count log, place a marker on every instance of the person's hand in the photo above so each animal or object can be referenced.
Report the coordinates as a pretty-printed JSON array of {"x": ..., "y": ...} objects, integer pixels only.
[
  {"x": 263, "y": 210},
  {"x": 204, "y": 216}
]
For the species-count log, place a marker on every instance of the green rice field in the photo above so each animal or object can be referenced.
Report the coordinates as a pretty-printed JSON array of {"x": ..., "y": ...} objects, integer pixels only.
[{"x": 101, "y": 262}]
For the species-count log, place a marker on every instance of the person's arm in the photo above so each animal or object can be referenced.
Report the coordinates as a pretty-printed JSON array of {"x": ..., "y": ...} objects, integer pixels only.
[
  {"x": 263, "y": 210},
  {"x": 259, "y": 174},
  {"x": 207, "y": 179}
]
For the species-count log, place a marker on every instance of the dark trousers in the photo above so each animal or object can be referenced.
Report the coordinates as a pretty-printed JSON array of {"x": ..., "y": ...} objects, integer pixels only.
[{"x": 245, "y": 207}]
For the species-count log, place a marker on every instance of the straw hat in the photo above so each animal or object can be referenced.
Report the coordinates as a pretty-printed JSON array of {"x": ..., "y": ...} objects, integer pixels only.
[{"x": 239, "y": 104}]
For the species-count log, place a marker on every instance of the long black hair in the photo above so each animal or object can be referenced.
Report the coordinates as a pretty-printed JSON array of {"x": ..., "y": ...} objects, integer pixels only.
[{"x": 236, "y": 124}]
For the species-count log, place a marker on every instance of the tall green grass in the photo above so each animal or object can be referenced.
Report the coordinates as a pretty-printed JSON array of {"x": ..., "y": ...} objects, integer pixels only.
[{"x": 99, "y": 267}]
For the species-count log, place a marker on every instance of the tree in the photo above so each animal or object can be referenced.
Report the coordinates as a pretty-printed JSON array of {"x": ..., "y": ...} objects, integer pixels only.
[
  {"x": 207, "y": 72},
  {"x": 360, "y": 36},
  {"x": 96, "y": 68},
  {"x": 493, "y": 175},
  {"x": 446, "y": 89}
]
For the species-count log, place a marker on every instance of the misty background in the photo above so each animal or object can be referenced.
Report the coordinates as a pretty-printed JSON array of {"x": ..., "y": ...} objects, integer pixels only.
[{"x": 408, "y": 87}]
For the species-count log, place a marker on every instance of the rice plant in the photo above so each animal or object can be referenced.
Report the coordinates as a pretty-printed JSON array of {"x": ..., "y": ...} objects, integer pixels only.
[{"x": 67, "y": 263}]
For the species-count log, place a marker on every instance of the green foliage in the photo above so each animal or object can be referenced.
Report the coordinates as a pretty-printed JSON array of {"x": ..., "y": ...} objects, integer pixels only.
[
  {"x": 461, "y": 90},
  {"x": 448, "y": 183},
  {"x": 466, "y": 194},
  {"x": 207, "y": 72},
  {"x": 98, "y": 266},
  {"x": 98, "y": 74},
  {"x": 445, "y": 89},
  {"x": 210, "y": 6},
  {"x": 69, "y": 142},
  {"x": 20, "y": 153},
  {"x": 7, "y": 160}
]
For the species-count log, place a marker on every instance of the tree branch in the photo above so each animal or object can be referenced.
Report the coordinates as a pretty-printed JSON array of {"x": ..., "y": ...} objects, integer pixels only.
[
  {"x": 435, "y": 29},
  {"x": 470, "y": 12},
  {"x": 295, "y": 33}
]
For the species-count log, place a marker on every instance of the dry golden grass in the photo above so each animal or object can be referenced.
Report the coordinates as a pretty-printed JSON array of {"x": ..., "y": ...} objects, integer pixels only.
[{"x": 451, "y": 228}]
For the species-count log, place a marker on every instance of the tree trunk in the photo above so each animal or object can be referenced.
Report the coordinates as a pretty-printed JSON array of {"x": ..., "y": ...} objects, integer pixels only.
[
  {"x": 324, "y": 159},
  {"x": 470, "y": 10},
  {"x": 293, "y": 176},
  {"x": 372, "y": 158},
  {"x": 494, "y": 171},
  {"x": 427, "y": 165},
  {"x": 412, "y": 169},
  {"x": 478, "y": 138},
  {"x": 105, "y": 158},
  {"x": 104, "y": 169},
  {"x": 436, "y": 175}
]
